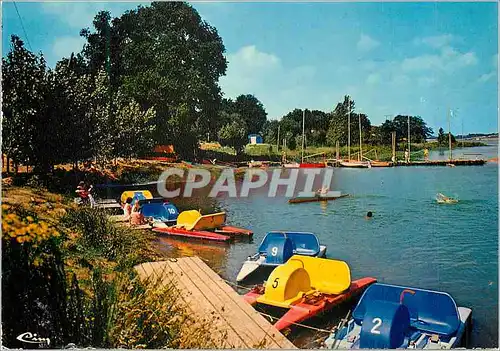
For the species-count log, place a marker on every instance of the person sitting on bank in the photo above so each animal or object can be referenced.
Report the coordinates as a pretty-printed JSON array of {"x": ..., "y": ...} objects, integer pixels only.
[
  {"x": 127, "y": 208},
  {"x": 136, "y": 217},
  {"x": 82, "y": 193}
]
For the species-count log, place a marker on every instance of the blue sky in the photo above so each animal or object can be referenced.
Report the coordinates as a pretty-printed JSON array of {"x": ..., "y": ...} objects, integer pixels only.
[{"x": 392, "y": 58}]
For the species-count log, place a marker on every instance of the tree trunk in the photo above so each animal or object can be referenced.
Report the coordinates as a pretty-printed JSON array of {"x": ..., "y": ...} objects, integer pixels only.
[{"x": 8, "y": 165}]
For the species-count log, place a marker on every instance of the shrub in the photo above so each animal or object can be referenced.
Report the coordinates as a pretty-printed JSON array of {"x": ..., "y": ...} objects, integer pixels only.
[{"x": 153, "y": 316}]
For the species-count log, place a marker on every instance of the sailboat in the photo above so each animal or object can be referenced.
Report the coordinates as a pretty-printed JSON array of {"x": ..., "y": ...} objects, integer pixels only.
[
  {"x": 303, "y": 164},
  {"x": 353, "y": 163}
]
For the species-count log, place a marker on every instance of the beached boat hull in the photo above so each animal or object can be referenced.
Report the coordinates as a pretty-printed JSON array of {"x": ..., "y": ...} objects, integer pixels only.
[
  {"x": 309, "y": 307},
  {"x": 299, "y": 200},
  {"x": 312, "y": 165},
  {"x": 381, "y": 164},
  {"x": 231, "y": 230},
  {"x": 355, "y": 164}
]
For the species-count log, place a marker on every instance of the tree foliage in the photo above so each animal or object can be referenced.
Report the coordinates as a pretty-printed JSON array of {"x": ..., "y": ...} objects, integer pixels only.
[
  {"x": 166, "y": 57},
  {"x": 234, "y": 132},
  {"x": 66, "y": 115},
  {"x": 26, "y": 93},
  {"x": 252, "y": 111},
  {"x": 339, "y": 124},
  {"x": 443, "y": 138}
]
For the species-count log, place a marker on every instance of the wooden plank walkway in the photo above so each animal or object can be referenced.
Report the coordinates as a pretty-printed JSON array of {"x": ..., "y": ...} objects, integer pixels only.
[
  {"x": 458, "y": 162},
  {"x": 207, "y": 295}
]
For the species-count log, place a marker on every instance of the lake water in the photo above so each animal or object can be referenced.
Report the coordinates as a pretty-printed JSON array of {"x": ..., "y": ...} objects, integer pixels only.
[{"x": 411, "y": 240}]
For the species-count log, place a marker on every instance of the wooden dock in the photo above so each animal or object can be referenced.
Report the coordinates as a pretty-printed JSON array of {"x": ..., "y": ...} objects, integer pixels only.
[
  {"x": 443, "y": 163},
  {"x": 207, "y": 295}
]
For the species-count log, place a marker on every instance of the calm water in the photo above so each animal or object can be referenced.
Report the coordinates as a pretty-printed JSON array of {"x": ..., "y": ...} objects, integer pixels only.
[{"x": 411, "y": 240}]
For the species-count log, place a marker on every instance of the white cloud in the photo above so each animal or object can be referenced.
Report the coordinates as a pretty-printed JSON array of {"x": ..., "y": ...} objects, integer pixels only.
[
  {"x": 449, "y": 60},
  {"x": 400, "y": 79},
  {"x": 487, "y": 76},
  {"x": 373, "y": 78},
  {"x": 81, "y": 14},
  {"x": 278, "y": 87},
  {"x": 64, "y": 46},
  {"x": 437, "y": 41},
  {"x": 426, "y": 81},
  {"x": 366, "y": 43},
  {"x": 252, "y": 58}
]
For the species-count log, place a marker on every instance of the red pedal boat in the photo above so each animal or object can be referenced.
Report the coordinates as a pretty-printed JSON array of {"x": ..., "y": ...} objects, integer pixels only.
[
  {"x": 307, "y": 286},
  {"x": 230, "y": 230},
  {"x": 191, "y": 224},
  {"x": 197, "y": 234}
]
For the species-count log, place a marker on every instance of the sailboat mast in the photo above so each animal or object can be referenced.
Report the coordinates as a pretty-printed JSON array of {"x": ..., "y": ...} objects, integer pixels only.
[
  {"x": 409, "y": 139},
  {"x": 449, "y": 132},
  {"x": 303, "y": 132},
  {"x": 360, "y": 155},
  {"x": 348, "y": 129}
]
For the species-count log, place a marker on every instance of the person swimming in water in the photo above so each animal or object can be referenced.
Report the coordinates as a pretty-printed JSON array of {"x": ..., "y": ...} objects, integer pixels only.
[
  {"x": 369, "y": 215},
  {"x": 322, "y": 192}
]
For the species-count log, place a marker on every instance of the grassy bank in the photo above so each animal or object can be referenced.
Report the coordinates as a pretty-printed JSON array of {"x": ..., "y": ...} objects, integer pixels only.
[{"x": 68, "y": 275}]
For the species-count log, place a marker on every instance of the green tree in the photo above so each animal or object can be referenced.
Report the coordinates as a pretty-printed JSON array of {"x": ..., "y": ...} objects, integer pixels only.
[
  {"x": 270, "y": 132},
  {"x": 385, "y": 132},
  {"x": 71, "y": 97},
  {"x": 419, "y": 131},
  {"x": 338, "y": 129},
  {"x": 443, "y": 138},
  {"x": 166, "y": 57},
  {"x": 234, "y": 133},
  {"x": 26, "y": 114},
  {"x": 252, "y": 111},
  {"x": 134, "y": 129}
]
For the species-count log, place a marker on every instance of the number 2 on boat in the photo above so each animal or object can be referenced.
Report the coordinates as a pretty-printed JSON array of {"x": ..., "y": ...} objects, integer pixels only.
[{"x": 378, "y": 323}]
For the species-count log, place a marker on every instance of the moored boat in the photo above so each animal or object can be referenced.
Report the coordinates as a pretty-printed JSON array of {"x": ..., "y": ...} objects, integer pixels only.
[
  {"x": 381, "y": 164},
  {"x": 389, "y": 316},
  {"x": 136, "y": 195},
  {"x": 307, "y": 286},
  {"x": 275, "y": 249},
  {"x": 312, "y": 165},
  {"x": 355, "y": 164},
  {"x": 299, "y": 200},
  {"x": 194, "y": 234},
  {"x": 159, "y": 210},
  {"x": 291, "y": 165},
  {"x": 193, "y": 224}
]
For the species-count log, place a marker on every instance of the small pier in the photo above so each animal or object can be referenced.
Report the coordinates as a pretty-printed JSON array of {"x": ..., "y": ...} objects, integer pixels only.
[
  {"x": 206, "y": 294},
  {"x": 457, "y": 162}
]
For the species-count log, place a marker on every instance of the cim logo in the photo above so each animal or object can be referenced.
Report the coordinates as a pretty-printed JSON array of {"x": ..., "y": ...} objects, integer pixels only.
[{"x": 33, "y": 339}]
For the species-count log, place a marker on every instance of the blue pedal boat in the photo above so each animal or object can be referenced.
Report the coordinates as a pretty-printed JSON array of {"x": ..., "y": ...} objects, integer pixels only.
[
  {"x": 397, "y": 317},
  {"x": 276, "y": 248},
  {"x": 160, "y": 210}
]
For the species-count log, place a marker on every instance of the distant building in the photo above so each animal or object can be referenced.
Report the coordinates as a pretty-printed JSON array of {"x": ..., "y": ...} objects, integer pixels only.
[{"x": 255, "y": 139}]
